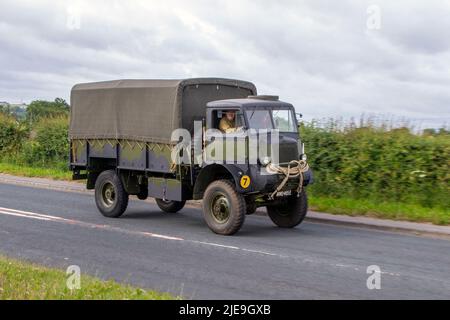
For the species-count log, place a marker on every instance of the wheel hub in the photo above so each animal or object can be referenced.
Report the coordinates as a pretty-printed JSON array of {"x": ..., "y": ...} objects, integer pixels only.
[
  {"x": 108, "y": 194},
  {"x": 220, "y": 209}
]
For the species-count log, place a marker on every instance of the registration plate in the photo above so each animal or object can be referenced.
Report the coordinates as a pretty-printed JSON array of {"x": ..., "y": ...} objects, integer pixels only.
[{"x": 284, "y": 193}]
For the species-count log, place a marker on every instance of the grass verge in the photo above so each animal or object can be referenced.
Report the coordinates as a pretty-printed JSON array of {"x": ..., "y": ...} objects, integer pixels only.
[
  {"x": 384, "y": 210},
  {"x": 25, "y": 171},
  {"x": 26, "y": 281}
]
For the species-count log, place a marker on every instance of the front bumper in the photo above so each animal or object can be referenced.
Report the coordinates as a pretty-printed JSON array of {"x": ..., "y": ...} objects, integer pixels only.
[{"x": 262, "y": 182}]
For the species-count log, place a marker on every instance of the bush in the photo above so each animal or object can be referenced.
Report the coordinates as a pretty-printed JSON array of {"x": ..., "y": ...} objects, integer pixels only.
[
  {"x": 12, "y": 135},
  {"x": 372, "y": 162},
  {"x": 49, "y": 143}
]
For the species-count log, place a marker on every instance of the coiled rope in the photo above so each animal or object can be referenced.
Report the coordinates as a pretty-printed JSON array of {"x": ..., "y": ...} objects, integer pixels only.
[{"x": 295, "y": 169}]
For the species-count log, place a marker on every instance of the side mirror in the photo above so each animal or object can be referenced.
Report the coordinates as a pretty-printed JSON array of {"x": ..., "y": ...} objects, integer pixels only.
[{"x": 299, "y": 116}]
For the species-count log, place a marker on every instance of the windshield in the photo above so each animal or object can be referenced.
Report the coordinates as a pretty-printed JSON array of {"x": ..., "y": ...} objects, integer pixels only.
[
  {"x": 259, "y": 119},
  {"x": 283, "y": 119}
]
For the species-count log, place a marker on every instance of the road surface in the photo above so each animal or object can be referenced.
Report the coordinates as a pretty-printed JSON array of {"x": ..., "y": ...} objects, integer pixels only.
[{"x": 177, "y": 253}]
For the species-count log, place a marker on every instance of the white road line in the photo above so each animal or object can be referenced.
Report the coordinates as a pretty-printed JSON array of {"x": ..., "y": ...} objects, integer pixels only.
[
  {"x": 155, "y": 235},
  {"x": 215, "y": 244},
  {"x": 263, "y": 252},
  {"x": 22, "y": 215},
  {"x": 38, "y": 216},
  {"x": 45, "y": 217},
  {"x": 32, "y": 214}
]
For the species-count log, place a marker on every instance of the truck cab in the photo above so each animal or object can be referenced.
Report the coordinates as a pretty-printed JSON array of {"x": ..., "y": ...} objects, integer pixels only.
[{"x": 267, "y": 137}]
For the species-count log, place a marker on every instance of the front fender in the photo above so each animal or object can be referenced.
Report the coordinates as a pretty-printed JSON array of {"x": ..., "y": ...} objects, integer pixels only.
[{"x": 215, "y": 172}]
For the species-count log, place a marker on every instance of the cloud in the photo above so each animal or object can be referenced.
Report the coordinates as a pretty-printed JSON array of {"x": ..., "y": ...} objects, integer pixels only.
[{"x": 319, "y": 55}]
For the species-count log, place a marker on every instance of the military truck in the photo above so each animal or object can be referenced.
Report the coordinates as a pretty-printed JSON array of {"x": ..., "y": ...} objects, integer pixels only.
[{"x": 122, "y": 142}]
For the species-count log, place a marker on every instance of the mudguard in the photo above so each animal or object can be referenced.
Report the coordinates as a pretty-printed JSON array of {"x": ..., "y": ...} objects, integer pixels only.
[{"x": 217, "y": 171}]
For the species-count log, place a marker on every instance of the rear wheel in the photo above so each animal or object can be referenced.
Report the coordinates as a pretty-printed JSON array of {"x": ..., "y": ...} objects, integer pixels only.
[
  {"x": 251, "y": 207},
  {"x": 223, "y": 208},
  {"x": 289, "y": 213},
  {"x": 143, "y": 193},
  {"x": 110, "y": 195},
  {"x": 170, "y": 206}
]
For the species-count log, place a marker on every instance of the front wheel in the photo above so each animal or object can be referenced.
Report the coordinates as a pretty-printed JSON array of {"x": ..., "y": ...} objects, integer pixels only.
[
  {"x": 110, "y": 195},
  {"x": 223, "y": 208},
  {"x": 289, "y": 213},
  {"x": 170, "y": 206}
]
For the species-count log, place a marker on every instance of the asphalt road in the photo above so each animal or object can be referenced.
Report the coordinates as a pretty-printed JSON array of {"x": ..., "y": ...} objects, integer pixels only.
[{"x": 177, "y": 253}]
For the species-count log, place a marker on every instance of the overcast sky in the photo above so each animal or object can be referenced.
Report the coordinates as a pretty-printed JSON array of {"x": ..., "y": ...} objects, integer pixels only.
[{"x": 328, "y": 58}]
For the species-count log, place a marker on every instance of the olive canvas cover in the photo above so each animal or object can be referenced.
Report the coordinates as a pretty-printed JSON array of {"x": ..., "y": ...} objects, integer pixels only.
[{"x": 146, "y": 110}]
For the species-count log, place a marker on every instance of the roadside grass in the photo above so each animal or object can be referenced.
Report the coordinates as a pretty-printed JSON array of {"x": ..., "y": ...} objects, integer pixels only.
[
  {"x": 38, "y": 172},
  {"x": 27, "y": 281},
  {"x": 383, "y": 210},
  {"x": 343, "y": 205}
]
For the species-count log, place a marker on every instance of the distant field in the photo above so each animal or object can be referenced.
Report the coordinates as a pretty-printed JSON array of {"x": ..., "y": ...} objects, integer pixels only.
[{"x": 26, "y": 281}]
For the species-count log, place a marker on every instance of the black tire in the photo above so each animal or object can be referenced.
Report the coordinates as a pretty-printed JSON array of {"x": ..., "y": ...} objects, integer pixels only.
[
  {"x": 143, "y": 193},
  {"x": 290, "y": 213},
  {"x": 224, "y": 208},
  {"x": 170, "y": 206},
  {"x": 250, "y": 207},
  {"x": 110, "y": 195}
]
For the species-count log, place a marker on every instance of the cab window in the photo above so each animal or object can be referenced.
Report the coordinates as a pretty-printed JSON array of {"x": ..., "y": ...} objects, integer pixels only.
[
  {"x": 284, "y": 120},
  {"x": 259, "y": 119},
  {"x": 219, "y": 114}
]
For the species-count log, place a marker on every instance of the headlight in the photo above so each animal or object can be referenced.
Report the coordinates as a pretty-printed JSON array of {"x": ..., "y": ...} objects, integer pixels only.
[
  {"x": 265, "y": 161},
  {"x": 303, "y": 157}
]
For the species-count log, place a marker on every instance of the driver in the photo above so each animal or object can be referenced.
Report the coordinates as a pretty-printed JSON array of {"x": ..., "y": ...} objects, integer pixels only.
[{"x": 228, "y": 123}]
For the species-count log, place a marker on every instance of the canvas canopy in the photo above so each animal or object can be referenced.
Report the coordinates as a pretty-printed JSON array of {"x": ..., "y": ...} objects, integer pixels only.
[{"x": 146, "y": 110}]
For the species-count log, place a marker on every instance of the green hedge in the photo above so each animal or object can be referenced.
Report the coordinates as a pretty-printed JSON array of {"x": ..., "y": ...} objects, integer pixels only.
[
  {"x": 12, "y": 135},
  {"x": 45, "y": 144},
  {"x": 48, "y": 143},
  {"x": 379, "y": 164}
]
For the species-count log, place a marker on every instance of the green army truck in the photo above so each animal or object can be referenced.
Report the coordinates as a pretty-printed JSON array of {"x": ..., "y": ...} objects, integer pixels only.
[{"x": 124, "y": 141}]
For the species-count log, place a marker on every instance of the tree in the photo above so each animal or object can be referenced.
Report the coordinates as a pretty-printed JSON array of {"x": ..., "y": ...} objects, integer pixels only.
[
  {"x": 436, "y": 132},
  {"x": 5, "y": 109},
  {"x": 46, "y": 109}
]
